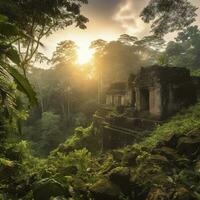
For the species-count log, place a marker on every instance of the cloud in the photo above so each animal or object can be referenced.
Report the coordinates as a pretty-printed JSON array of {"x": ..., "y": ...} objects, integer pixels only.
[
  {"x": 127, "y": 15},
  {"x": 102, "y": 9}
]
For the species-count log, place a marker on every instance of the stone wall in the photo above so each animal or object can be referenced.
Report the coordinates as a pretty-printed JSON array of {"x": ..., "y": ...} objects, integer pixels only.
[{"x": 162, "y": 91}]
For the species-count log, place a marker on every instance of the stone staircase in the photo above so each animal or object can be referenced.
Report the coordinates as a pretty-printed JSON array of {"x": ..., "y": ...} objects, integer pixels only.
[{"x": 122, "y": 131}]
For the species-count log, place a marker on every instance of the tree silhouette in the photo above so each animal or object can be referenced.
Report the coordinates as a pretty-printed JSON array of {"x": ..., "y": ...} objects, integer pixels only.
[
  {"x": 168, "y": 15},
  {"x": 40, "y": 18}
]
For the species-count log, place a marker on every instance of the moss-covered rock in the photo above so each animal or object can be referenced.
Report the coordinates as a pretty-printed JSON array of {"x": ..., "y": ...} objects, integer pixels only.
[
  {"x": 189, "y": 146},
  {"x": 105, "y": 190},
  {"x": 117, "y": 155},
  {"x": 80, "y": 189},
  {"x": 47, "y": 188},
  {"x": 169, "y": 141},
  {"x": 129, "y": 158},
  {"x": 169, "y": 153},
  {"x": 69, "y": 170},
  {"x": 120, "y": 175},
  {"x": 158, "y": 159}
]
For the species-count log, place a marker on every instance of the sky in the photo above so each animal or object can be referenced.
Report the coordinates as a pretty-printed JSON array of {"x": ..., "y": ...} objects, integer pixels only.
[{"x": 108, "y": 19}]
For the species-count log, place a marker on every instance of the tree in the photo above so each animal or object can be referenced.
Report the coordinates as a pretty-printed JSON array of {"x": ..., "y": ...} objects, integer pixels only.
[
  {"x": 10, "y": 59},
  {"x": 127, "y": 39},
  {"x": 184, "y": 51},
  {"x": 66, "y": 53},
  {"x": 169, "y": 15},
  {"x": 64, "y": 59},
  {"x": 51, "y": 134},
  {"x": 99, "y": 47},
  {"x": 45, "y": 133},
  {"x": 39, "y": 18},
  {"x": 11, "y": 80},
  {"x": 153, "y": 42}
]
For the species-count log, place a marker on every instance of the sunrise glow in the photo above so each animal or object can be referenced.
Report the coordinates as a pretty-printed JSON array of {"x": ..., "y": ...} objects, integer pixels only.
[{"x": 84, "y": 54}]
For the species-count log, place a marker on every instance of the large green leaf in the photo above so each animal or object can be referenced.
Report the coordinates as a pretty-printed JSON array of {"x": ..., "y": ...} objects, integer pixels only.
[
  {"x": 22, "y": 83},
  {"x": 13, "y": 55},
  {"x": 8, "y": 29}
]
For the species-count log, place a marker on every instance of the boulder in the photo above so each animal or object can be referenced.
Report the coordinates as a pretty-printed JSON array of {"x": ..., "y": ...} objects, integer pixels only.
[
  {"x": 129, "y": 159},
  {"x": 188, "y": 146},
  {"x": 117, "y": 155},
  {"x": 158, "y": 159},
  {"x": 68, "y": 171},
  {"x": 47, "y": 188},
  {"x": 120, "y": 175},
  {"x": 80, "y": 188},
  {"x": 170, "y": 141},
  {"x": 169, "y": 153},
  {"x": 183, "y": 162},
  {"x": 105, "y": 190}
]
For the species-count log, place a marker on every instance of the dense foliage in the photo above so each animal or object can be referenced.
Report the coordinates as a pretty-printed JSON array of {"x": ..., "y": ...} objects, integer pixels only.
[
  {"x": 40, "y": 19},
  {"x": 11, "y": 80},
  {"x": 169, "y": 15},
  {"x": 162, "y": 166},
  {"x": 184, "y": 51}
]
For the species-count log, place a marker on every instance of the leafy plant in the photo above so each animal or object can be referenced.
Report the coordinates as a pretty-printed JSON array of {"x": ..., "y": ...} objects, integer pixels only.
[{"x": 10, "y": 59}]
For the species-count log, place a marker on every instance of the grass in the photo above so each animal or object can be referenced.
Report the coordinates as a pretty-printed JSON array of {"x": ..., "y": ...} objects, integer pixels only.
[{"x": 184, "y": 122}]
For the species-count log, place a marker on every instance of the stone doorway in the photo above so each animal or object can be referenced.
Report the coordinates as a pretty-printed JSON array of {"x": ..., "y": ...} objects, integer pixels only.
[{"x": 145, "y": 101}]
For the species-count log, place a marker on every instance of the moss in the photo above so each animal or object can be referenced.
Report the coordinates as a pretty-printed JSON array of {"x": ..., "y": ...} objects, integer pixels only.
[
  {"x": 104, "y": 189},
  {"x": 182, "y": 123},
  {"x": 47, "y": 188},
  {"x": 83, "y": 138}
]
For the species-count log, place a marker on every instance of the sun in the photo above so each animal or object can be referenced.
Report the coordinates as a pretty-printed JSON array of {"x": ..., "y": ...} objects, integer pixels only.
[{"x": 84, "y": 54}]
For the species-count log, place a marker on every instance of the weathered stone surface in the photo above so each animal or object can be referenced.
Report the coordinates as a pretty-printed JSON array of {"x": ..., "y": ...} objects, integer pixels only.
[
  {"x": 188, "y": 146},
  {"x": 159, "y": 159},
  {"x": 169, "y": 153},
  {"x": 170, "y": 141},
  {"x": 183, "y": 162},
  {"x": 105, "y": 190},
  {"x": 68, "y": 171},
  {"x": 129, "y": 159},
  {"x": 80, "y": 188},
  {"x": 162, "y": 91},
  {"x": 47, "y": 188},
  {"x": 117, "y": 155},
  {"x": 120, "y": 175}
]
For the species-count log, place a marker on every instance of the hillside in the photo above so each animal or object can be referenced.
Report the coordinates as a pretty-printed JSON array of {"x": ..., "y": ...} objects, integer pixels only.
[{"x": 165, "y": 165}]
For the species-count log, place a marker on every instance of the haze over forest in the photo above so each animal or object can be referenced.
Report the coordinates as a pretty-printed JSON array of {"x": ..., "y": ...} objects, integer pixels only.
[
  {"x": 107, "y": 20},
  {"x": 99, "y": 99}
]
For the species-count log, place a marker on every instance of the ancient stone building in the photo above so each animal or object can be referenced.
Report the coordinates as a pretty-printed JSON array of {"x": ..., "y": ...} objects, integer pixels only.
[
  {"x": 118, "y": 94},
  {"x": 121, "y": 93},
  {"x": 162, "y": 91},
  {"x": 157, "y": 91},
  {"x": 153, "y": 95}
]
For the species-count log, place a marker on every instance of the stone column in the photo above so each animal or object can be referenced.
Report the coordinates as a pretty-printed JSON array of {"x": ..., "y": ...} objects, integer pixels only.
[{"x": 155, "y": 99}]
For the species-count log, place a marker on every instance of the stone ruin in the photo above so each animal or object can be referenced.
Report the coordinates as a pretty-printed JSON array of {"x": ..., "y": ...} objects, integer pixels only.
[
  {"x": 158, "y": 91},
  {"x": 162, "y": 91},
  {"x": 155, "y": 94}
]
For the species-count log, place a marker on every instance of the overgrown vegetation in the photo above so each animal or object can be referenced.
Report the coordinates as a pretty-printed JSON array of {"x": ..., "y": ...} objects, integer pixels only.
[
  {"x": 183, "y": 123},
  {"x": 165, "y": 165},
  {"x": 36, "y": 163}
]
